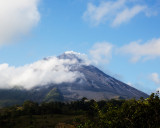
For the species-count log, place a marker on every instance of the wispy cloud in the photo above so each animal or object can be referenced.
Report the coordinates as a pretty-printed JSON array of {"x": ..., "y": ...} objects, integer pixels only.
[
  {"x": 17, "y": 18},
  {"x": 43, "y": 72},
  {"x": 101, "y": 52},
  {"x": 127, "y": 15},
  {"x": 116, "y": 12},
  {"x": 103, "y": 12},
  {"x": 145, "y": 51}
]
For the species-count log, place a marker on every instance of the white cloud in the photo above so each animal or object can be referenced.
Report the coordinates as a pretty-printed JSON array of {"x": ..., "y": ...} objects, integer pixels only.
[
  {"x": 146, "y": 51},
  {"x": 130, "y": 84},
  {"x": 50, "y": 70},
  {"x": 155, "y": 78},
  {"x": 101, "y": 53},
  {"x": 115, "y": 11},
  {"x": 17, "y": 17},
  {"x": 127, "y": 14},
  {"x": 77, "y": 55}
]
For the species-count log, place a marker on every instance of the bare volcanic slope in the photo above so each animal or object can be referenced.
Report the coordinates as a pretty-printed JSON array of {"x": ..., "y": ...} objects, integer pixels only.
[{"x": 95, "y": 84}]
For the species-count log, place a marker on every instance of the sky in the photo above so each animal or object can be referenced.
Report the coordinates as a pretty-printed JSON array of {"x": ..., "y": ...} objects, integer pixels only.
[{"x": 121, "y": 37}]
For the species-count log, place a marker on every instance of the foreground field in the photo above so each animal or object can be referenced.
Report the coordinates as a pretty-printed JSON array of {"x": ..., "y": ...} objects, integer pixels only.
[
  {"x": 142, "y": 113},
  {"x": 41, "y": 121}
]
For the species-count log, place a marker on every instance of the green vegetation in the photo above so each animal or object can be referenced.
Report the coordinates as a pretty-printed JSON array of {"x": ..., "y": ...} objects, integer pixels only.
[
  {"x": 142, "y": 113},
  {"x": 54, "y": 95}
]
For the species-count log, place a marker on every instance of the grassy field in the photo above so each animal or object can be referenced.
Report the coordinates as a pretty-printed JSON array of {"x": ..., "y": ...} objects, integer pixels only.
[{"x": 39, "y": 121}]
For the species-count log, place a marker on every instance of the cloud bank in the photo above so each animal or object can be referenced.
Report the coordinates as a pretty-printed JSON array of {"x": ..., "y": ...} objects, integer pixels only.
[
  {"x": 117, "y": 12},
  {"x": 145, "y": 51},
  {"x": 17, "y": 18},
  {"x": 46, "y": 71},
  {"x": 101, "y": 52}
]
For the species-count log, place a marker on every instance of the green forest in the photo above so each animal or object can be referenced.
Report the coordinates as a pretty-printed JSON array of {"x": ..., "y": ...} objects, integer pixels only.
[{"x": 132, "y": 113}]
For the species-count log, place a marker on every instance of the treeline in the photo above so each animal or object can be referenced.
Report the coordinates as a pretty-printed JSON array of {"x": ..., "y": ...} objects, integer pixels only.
[{"x": 142, "y": 113}]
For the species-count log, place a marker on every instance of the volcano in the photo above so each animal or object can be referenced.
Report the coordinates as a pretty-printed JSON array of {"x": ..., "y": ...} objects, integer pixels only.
[{"x": 91, "y": 83}]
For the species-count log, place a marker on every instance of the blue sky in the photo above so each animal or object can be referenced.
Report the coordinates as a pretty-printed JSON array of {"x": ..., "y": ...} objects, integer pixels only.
[{"x": 122, "y": 37}]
